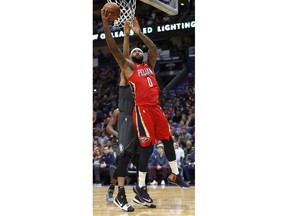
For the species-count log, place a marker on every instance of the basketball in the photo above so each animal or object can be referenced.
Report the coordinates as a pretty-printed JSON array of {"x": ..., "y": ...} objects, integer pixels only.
[{"x": 113, "y": 9}]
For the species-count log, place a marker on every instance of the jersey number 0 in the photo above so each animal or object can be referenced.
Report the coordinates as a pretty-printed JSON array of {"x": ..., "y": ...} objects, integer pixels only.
[{"x": 149, "y": 82}]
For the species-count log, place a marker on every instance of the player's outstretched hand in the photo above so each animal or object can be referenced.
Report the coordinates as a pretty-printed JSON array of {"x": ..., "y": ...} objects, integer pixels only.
[
  {"x": 104, "y": 16},
  {"x": 126, "y": 28},
  {"x": 136, "y": 27}
]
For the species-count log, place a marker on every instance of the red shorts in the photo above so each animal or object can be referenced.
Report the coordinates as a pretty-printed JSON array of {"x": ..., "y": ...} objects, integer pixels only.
[{"x": 151, "y": 124}]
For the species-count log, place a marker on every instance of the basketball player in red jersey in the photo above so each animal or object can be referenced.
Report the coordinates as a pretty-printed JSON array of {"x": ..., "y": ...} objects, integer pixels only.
[{"x": 149, "y": 118}]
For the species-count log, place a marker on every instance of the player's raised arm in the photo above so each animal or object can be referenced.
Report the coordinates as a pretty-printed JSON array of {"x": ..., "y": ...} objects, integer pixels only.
[
  {"x": 152, "y": 52},
  {"x": 126, "y": 45},
  {"x": 124, "y": 63},
  {"x": 119, "y": 57}
]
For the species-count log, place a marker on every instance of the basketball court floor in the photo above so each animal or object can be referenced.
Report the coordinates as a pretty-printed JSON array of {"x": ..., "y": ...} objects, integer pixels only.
[{"x": 170, "y": 201}]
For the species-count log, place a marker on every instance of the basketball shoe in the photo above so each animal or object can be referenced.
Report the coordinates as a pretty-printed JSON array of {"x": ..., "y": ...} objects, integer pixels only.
[
  {"x": 177, "y": 180},
  {"x": 122, "y": 203},
  {"x": 137, "y": 200},
  {"x": 142, "y": 193},
  {"x": 109, "y": 195}
]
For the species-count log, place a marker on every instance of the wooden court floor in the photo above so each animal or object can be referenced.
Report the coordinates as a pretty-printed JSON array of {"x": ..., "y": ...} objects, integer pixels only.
[{"x": 170, "y": 201}]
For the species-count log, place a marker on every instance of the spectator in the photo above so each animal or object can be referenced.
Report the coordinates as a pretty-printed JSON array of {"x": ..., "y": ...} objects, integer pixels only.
[
  {"x": 180, "y": 128},
  {"x": 95, "y": 143},
  {"x": 188, "y": 148},
  {"x": 160, "y": 166},
  {"x": 96, "y": 163},
  {"x": 190, "y": 118},
  {"x": 103, "y": 139},
  {"x": 108, "y": 143},
  {"x": 189, "y": 168},
  {"x": 185, "y": 135},
  {"x": 177, "y": 106},
  {"x": 106, "y": 167},
  {"x": 177, "y": 117},
  {"x": 179, "y": 157}
]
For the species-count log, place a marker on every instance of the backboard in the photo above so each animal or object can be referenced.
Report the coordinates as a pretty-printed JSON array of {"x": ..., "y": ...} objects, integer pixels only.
[{"x": 168, "y": 6}]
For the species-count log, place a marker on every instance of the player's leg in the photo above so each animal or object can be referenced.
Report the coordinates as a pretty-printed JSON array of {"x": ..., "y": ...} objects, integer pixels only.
[
  {"x": 142, "y": 197},
  {"x": 145, "y": 130},
  {"x": 111, "y": 188},
  {"x": 109, "y": 195},
  {"x": 110, "y": 192},
  {"x": 126, "y": 142},
  {"x": 135, "y": 161},
  {"x": 121, "y": 200}
]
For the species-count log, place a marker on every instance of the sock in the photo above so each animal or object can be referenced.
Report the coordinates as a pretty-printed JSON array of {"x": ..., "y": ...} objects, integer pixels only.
[
  {"x": 141, "y": 179},
  {"x": 174, "y": 167},
  {"x": 112, "y": 186},
  {"x": 121, "y": 190}
]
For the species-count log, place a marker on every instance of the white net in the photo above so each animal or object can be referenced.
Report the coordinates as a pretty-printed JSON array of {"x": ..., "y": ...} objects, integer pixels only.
[{"x": 127, "y": 12}]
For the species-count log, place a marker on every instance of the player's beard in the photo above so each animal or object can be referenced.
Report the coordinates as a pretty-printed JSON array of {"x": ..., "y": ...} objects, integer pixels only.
[{"x": 138, "y": 60}]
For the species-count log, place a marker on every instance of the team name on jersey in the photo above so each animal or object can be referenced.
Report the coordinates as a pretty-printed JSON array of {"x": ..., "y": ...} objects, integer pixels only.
[{"x": 144, "y": 72}]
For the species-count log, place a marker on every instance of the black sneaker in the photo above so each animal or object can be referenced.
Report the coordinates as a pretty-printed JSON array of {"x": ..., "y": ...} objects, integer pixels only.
[
  {"x": 177, "y": 180},
  {"x": 109, "y": 195},
  {"x": 142, "y": 193},
  {"x": 122, "y": 203},
  {"x": 137, "y": 200}
]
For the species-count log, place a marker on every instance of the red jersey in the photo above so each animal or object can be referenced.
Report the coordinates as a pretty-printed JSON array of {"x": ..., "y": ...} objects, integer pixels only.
[{"x": 144, "y": 85}]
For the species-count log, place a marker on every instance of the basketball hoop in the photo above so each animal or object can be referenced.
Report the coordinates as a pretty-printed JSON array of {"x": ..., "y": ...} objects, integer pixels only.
[{"x": 127, "y": 12}]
